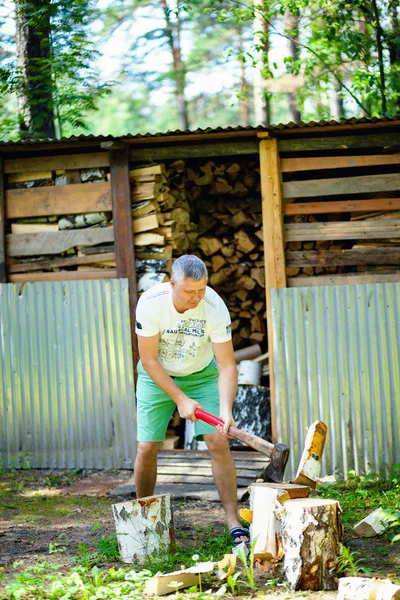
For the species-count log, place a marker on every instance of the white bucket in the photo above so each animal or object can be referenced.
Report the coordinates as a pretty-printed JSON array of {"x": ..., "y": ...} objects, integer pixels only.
[{"x": 249, "y": 372}]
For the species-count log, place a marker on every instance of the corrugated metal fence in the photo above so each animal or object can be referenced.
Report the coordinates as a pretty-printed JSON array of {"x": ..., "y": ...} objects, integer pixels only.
[
  {"x": 337, "y": 359},
  {"x": 66, "y": 380}
]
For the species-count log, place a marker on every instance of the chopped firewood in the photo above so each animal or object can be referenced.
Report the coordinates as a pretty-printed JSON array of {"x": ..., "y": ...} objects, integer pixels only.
[
  {"x": 149, "y": 239},
  {"x": 159, "y": 585},
  {"x": 367, "y": 588},
  {"x": 244, "y": 242},
  {"x": 310, "y": 463},
  {"x": 372, "y": 524},
  {"x": 217, "y": 262},
  {"x": 209, "y": 245}
]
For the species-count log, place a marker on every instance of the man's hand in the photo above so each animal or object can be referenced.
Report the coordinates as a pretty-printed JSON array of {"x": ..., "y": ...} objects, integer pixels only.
[
  {"x": 186, "y": 408},
  {"x": 227, "y": 418}
]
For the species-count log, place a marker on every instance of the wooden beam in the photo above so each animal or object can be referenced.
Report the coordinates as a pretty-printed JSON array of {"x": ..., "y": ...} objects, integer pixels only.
[
  {"x": 57, "y": 163},
  {"x": 194, "y": 150},
  {"x": 124, "y": 237},
  {"x": 2, "y": 227},
  {"x": 289, "y": 165},
  {"x": 343, "y": 230},
  {"x": 342, "y": 185},
  {"x": 63, "y": 275},
  {"x": 39, "y": 265},
  {"x": 336, "y": 258},
  {"x": 309, "y": 143},
  {"x": 55, "y": 242},
  {"x": 339, "y": 206},
  {"x": 343, "y": 279},
  {"x": 274, "y": 255},
  {"x": 58, "y": 200}
]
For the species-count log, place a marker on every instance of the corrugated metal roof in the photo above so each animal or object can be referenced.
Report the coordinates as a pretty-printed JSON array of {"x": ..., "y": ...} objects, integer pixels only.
[{"x": 279, "y": 127}]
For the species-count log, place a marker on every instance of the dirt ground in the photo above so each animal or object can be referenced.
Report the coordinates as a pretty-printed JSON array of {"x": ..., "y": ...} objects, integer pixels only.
[{"x": 47, "y": 516}]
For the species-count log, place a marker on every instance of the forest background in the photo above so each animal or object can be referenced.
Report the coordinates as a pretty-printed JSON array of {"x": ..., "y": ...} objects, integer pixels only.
[{"x": 133, "y": 66}]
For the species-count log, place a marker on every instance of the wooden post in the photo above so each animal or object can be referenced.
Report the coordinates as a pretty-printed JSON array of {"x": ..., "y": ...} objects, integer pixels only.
[
  {"x": 123, "y": 232},
  {"x": 274, "y": 254},
  {"x": 2, "y": 223}
]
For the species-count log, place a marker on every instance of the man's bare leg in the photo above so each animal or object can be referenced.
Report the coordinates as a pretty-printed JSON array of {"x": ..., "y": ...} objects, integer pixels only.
[
  {"x": 224, "y": 474},
  {"x": 145, "y": 469}
]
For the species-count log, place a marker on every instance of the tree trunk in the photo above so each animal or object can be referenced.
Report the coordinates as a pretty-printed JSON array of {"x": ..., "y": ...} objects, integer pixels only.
[
  {"x": 243, "y": 100},
  {"x": 379, "y": 44},
  {"x": 173, "y": 31},
  {"x": 33, "y": 43},
  {"x": 291, "y": 24},
  {"x": 261, "y": 99}
]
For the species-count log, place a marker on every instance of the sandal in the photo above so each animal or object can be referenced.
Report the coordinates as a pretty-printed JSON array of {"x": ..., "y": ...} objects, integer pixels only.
[{"x": 238, "y": 532}]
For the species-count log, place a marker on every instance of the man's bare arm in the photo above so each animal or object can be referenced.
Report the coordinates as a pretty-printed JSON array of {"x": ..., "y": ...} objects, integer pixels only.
[
  {"x": 148, "y": 352},
  {"x": 227, "y": 380}
]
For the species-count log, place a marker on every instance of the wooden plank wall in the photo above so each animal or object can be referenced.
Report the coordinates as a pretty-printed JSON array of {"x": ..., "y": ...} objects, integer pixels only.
[
  {"x": 42, "y": 192},
  {"x": 341, "y": 207}
]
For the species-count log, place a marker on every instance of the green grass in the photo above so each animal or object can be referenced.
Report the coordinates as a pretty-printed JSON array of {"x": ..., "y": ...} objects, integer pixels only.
[{"x": 92, "y": 570}]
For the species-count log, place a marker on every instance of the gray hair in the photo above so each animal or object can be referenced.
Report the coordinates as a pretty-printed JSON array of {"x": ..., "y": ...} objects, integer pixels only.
[{"x": 188, "y": 266}]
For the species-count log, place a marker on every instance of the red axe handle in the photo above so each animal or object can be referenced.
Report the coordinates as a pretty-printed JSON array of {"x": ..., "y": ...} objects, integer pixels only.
[{"x": 247, "y": 438}]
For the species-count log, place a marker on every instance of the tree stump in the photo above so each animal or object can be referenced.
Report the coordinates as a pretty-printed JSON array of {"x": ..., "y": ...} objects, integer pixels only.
[
  {"x": 144, "y": 527},
  {"x": 311, "y": 535}
]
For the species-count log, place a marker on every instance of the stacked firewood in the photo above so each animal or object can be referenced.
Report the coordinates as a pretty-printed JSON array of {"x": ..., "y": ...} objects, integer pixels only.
[
  {"x": 227, "y": 200},
  {"x": 161, "y": 220}
]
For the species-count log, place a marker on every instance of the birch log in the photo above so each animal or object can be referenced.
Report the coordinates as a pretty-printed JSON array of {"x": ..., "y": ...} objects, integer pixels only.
[
  {"x": 364, "y": 588},
  {"x": 311, "y": 536},
  {"x": 144, "y": 527}
]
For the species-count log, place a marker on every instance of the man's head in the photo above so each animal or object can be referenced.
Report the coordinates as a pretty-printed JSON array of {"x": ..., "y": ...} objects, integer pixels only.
[{"x": 188, "y": 282}]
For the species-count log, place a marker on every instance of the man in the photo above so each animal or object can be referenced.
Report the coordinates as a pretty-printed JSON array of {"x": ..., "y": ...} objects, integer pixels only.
[{"x": 182, "y": 326}]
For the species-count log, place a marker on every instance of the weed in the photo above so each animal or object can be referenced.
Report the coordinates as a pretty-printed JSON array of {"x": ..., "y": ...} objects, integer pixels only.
[
  {"x": 248, "y": 564},
  {"x": 107, "y": 548},
  {"x": 347, "y": 563},
  {"x": 391, "y": 518}
]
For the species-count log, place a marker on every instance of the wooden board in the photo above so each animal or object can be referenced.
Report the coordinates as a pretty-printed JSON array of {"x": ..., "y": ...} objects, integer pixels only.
[
  {"x": 339, "y": 206},
  {"x": 342, "y": 230},
  {"x": 274, "y": 254},
  {"x": 33, "y": 227},
  {"x": 306, "y": 143},
  {"x": 362, "y": 256},
  {"x": 60, "y": 262},
  {"x": 57, "y": 163},
  {"x": 58, "y": 200},
  {"x": 289, "y": 165},
  {"x": 55, "y": 242},
  {"x": 63, "y": 276},
  {"x": 343, "y": 279},
  {"x": 188, "y": 466},
  {"x": 342, "y": 185},
  {"x": 197, "y": 150}
]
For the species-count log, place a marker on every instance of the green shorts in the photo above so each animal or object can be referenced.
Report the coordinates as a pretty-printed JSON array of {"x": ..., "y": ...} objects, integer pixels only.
[{"x": 155, "y": 408}]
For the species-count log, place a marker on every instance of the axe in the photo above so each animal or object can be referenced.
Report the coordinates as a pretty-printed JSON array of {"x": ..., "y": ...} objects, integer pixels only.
[{"x": 278, "y": 453}]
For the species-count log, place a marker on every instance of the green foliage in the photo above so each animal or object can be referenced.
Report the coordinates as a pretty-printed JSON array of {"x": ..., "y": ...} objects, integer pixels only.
[
  {"x": 349, "y": 565},
  {"x": 56, "y": 82}
]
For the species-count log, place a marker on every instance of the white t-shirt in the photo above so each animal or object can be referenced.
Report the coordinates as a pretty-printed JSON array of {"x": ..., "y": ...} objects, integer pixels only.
[{"x": 185, "y": 345}]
